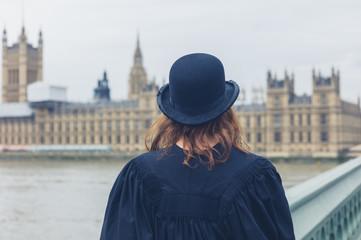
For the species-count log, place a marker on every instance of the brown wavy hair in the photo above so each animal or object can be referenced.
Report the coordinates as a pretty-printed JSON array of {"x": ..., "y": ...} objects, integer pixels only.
[{"x": 225, "y": 130}]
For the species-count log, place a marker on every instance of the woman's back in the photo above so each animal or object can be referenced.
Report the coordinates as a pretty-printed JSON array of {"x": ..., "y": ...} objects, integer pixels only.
[
  {"x": 162, "y": 198},
  {"x": 197, "y": 191}
]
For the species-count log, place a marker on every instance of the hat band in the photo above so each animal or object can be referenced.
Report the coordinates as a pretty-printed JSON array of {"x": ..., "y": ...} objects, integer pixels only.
[{"x": 197, "y": 110}]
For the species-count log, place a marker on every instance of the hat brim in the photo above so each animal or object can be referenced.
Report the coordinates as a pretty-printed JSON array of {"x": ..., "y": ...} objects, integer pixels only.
[{"x": 215, "y": 110}]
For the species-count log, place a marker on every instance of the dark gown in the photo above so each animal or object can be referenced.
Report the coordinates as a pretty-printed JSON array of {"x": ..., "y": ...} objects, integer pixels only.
[{"x": 157, "y": 197}]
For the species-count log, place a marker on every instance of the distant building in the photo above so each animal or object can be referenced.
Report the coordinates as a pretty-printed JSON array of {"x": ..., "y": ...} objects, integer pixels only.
[
  {"x": 320, "y": 125},
  {"x": 282, "y": 125},
  {"x": 54, "y": 121},
  {"x": 102, "y": 91},
  {"x": 22, "y": 64}
]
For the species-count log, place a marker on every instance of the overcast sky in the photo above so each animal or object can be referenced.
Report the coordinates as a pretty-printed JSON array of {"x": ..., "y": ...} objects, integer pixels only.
[{"x": 84, "y": 37}]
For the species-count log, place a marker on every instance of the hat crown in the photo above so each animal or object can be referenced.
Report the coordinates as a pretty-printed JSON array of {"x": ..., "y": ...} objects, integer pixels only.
[{"x": 196, "y": 80}]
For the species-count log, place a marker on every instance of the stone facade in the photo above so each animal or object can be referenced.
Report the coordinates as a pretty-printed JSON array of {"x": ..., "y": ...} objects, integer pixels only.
[
  {"x": 321, "y": 125},
  {"x": 285, "y": 125},
  {"x": 22, "y": 64}
]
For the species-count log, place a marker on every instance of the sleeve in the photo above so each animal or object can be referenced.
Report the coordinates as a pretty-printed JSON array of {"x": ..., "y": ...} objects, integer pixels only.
[
  {"x": 129, "y": 212},
  {"x": 259, "y": 208}
]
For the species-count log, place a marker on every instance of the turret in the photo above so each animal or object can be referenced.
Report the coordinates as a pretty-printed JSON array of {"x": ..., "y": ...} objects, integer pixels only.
[
  {"x": 22, "y": 37},
  {"x": 279, "y": 92},
  {"x": 326, "y": 90},
  {"x": 5, "y": 39},
  {"x": 40, "y": 42}
]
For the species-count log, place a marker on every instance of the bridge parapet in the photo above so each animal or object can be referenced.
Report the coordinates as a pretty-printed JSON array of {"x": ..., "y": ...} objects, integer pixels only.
[{"x": 328, "y": 206}]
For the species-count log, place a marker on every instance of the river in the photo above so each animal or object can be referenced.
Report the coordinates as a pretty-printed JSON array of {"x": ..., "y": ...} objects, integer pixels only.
[{"x": 52, "y": 199}]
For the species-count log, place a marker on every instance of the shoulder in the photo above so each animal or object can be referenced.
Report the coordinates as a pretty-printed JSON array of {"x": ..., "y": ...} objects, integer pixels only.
[
  {"x": 137, "y": 172},
  {"x": 248, "y": 179}
]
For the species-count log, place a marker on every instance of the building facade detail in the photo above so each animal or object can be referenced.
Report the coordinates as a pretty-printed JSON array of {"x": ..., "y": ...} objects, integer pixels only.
[
  {"x": 22, "y": 65},
  {"x": 138, "y": 76},
  {"x": 281, "y": 124},
  {"x": 102, "y": 91},
  {"x": 287, "y": 125}
]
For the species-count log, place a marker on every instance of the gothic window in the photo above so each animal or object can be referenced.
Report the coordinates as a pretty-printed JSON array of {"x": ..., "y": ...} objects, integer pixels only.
[
  {"x": 259, "y": 137},
  {"x": 147, "y": 124},
  {"x": 84, "y": 126},
  {"x": 101, "y": 139},
  {"x": 118, "y": 125},
  {"x": 300, "y": 119},
  {"x": 118, "y": 139},
  {"x": 323, "y": 119},
  {"x": 248, "y": 137},
  {"x": 324, "y": 136},
  {"x": 258, "y": 121},
  {"x": 75, "y": 126},
  {"x": 291, "y": 120},
  {"x": 76, "y": 139},
  {"x": 292, "y": 137},
  {"x": 100, "y": 124},
  {"x": 127, "y": 126},
  {"x": 109, "y": 125},
  {"x": 277, "y": 137},
  {"x": 300, "y": 137},
  {"x": 67, "y": 127},
  {"x": 308, "y": 119},
  {"x": 277, "y": 100},
  {"x": 127, "y": 139},
  {"x": 323, "y": 99},
  {"x": 136, "y": 139},
  {"x": 309, "y": 137},
  {"x": 109, "y": 139},
  {"x": 84, "y": 139},
  {"x": 277, "y": 120},
  {"x": 136, "y": 124},
  {"x": 248, "y": 122},
  {"x": 13, "y": 77}
]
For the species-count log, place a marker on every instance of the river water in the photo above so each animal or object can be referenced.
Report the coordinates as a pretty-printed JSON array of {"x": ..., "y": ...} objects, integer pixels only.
[{"x": 52, "y": 199}]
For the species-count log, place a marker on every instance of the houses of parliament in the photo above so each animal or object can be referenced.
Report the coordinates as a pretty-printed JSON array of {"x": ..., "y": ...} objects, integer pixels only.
[{"x": 285, "y": 125}]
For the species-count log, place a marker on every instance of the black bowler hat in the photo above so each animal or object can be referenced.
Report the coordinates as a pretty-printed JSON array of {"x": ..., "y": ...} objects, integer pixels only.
[{"x": 197, "y": 91}]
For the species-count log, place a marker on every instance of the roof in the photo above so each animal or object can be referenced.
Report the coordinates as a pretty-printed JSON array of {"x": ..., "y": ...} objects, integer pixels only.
[
  {"x": 276, "y": 83},
  {"x": 8, "y": 110},
  {"x": 304, "y": 99},
  {"x": 321, "y": 81},
  {"x": 250, "y": 107}
]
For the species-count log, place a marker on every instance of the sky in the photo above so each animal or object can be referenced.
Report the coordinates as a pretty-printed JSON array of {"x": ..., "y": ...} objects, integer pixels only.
[{"x": 82, "y": 38}]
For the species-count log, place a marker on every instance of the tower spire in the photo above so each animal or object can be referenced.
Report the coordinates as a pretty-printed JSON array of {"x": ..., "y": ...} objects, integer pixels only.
[
  {"x": 138, "y": 54},
  {"x": 22, "y": 14},
  {"x": 137, "y": 39}
]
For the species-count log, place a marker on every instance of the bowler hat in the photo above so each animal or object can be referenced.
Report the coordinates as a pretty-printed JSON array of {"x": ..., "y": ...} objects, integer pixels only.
[{"x": 197, "y": 91}]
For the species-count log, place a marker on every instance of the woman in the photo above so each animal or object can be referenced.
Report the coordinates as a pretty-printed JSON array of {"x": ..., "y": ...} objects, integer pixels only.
[{"x": 197, "y": 181}]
